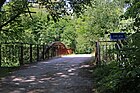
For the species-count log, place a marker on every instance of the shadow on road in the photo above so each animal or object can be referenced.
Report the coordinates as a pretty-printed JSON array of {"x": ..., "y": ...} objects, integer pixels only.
[{"x": 68, "y": 74}]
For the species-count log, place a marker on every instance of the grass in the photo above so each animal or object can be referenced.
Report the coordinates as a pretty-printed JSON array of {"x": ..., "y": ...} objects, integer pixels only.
[{"x": 4, "y": 71}]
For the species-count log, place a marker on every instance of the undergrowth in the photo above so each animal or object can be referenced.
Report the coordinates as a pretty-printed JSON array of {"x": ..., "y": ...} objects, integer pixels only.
[
  {"x": 121, "y": 76},
  {"x": 111, "y": 79}
]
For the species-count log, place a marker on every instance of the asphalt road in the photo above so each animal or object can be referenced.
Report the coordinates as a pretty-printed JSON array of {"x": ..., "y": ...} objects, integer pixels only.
[{"x": 68, "y": 74}]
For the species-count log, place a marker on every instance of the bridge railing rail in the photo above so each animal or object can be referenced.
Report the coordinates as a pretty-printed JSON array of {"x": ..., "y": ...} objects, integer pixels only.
[
  {"x": 107, "y": 51},
  {"x": 14, "y": 54}
]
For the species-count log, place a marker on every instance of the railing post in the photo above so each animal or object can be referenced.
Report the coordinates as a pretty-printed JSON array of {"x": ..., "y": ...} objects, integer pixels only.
[
  {"x": 43, "y": 54},
  {"x": 97, "y": 53},
  {"x": 106, "y": 52},
  {"x": 110, "y": 56},
  {"x": 21, "y": 55},
  {"x": 37, "y": 52},
  {"x": 103, "y": 54},
  {"x": 12, "y": 53},
  {"x": 53, "y": 51},
  {"x": 56, "y": 50},
  {"x": 113, "y": 52},
  {"x": 0, "y": 55},
  {"x": 48, "y": 54},
  {"x": 31, "y": 53}
]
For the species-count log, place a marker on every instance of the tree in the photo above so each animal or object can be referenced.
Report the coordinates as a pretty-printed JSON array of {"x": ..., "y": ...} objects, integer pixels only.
[
  {"x": 56, "y": 9},
  {"x": 97, "y": 23},
  {"x": 133, "y": 12},
  {"x": 11, "y": 11},
  {"x": 124, "y": 76}
]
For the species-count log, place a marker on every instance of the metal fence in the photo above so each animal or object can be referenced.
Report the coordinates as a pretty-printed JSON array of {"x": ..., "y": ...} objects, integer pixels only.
[
  {"x": 17, "y": 54},
  {"x": 107, "y": 51}
]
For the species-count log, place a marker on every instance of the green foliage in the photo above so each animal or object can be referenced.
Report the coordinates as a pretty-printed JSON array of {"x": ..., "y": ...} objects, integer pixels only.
[
  {"x": 11, "y": 11},
  {"x": 133, "y": 10},
  {"x": 57, "y": 7},
  {"x": 112, "y": 78},
  {"x": 79, "y": 34},
  {"x": 93, "y": 25},
  {"x": 124, "y": 76}
]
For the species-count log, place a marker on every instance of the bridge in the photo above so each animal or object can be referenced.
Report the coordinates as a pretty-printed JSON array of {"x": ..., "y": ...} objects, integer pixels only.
[
  {"x": 44, "y": 69},
  {"x": 52, "y": 68},
  {"x": 17, "y": 54}
]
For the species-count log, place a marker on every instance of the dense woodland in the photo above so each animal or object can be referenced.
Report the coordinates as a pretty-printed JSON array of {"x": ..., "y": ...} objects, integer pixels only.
[{"x": 79, "y": 24}]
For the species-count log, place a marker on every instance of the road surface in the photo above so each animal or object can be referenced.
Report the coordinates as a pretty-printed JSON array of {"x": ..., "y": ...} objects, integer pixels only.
[{"x": 68, "y": 74}]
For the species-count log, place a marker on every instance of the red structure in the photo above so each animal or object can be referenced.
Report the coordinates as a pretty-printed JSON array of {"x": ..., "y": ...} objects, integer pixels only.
[{"x": 61, "y": 48}]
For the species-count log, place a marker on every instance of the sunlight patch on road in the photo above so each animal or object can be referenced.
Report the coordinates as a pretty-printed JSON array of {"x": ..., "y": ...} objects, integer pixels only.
[
  {"x": 59, "y": 73},
  {"x": 72, "y": 74},
  {"x": 64, "y": 76},
  {"x": 84, "y": 66},
  {"x": 78, "y": 55},
  {"x": 44, "y": 79},
  {"x": 72, "y": 69}
]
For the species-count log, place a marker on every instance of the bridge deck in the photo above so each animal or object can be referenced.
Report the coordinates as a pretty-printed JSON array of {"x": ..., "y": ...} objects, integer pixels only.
[{"x": 67, "y": 74}]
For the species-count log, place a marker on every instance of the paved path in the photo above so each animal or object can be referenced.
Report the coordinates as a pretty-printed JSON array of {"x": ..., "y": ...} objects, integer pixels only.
[{"x": 61, "y": 75}]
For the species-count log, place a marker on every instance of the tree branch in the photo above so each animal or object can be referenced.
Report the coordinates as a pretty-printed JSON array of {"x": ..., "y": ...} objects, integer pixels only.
[
  {"x": 29, "y": 12},
  {"x": 10, "y": 20}
]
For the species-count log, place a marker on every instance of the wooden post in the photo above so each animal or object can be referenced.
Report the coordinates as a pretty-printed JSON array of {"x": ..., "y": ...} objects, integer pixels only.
[{"x": 97, "y": 54}]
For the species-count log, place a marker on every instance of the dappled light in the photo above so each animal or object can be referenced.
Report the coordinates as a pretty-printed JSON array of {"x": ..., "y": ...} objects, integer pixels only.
[
  {"x": 67, "y": 46},
  {"x": 63, "y": 73},
  {"x": 78, "y": 55},
  {"x": 64, "y": 76},
  {"x": 59, "y": 73},
  {"x": 71, "y": 70},
  {"x": 84, "y": 66},
  {"x": 72, "y": 74}
]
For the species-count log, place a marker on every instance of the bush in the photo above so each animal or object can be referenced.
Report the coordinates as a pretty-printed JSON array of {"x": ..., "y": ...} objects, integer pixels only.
[{"x": 122, "y": 76}]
